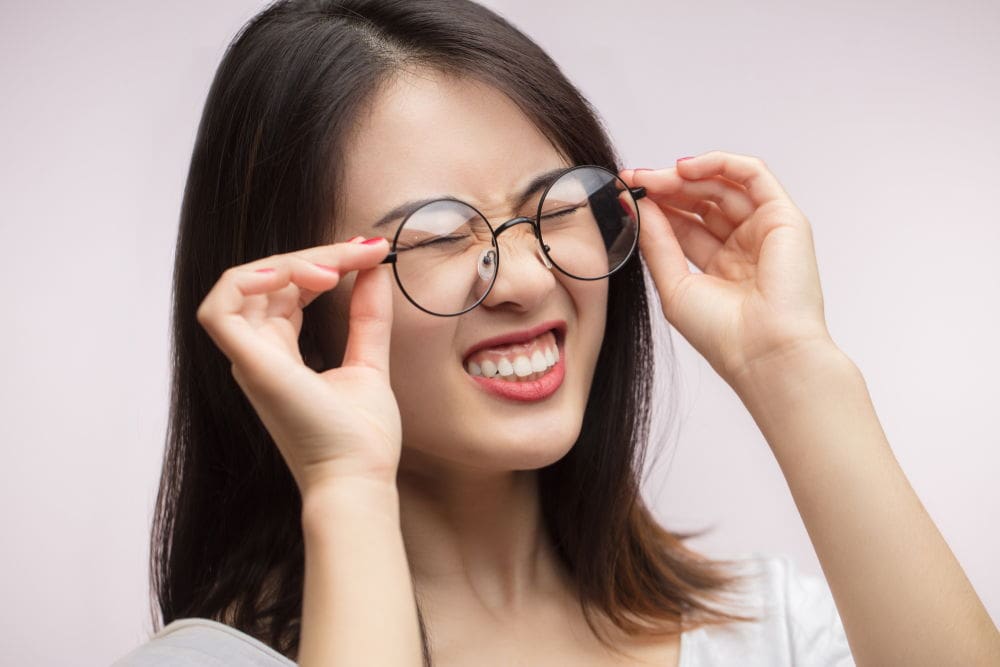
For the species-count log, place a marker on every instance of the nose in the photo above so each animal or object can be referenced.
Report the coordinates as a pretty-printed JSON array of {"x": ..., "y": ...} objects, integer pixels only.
[{"x": 524, "y": 277}]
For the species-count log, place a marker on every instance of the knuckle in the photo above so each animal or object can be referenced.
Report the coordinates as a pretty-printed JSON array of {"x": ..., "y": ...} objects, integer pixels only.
[
  {"x": 703, "y": 208},
  {"x": 203, "y": 314},
  {"x": 270, "y": 261},
  {"x": 330, "y": 259},
  {"x": 274, "y": 257},
  {"x": 228, "y": 274}
]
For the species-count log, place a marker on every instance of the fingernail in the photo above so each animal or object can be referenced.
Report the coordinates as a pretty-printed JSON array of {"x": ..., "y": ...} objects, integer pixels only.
[
  {"x": 373, "y": 241},
  {"x": 356, "y": 239},
  {"x": 264, "y": 270},
  {"x": 685, "y": 158},
  {"x": 331, "y": 269}
]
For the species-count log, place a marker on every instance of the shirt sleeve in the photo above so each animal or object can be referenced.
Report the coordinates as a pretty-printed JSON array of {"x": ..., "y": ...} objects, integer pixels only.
[
  {"x": 192, "y": 642},
  {"x": 815, "y": 632},
  {"x": 798, "y": 624}
]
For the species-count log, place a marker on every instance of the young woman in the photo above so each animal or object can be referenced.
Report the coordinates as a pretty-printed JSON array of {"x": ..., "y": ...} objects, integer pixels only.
[{"x": 413, "y": 376}]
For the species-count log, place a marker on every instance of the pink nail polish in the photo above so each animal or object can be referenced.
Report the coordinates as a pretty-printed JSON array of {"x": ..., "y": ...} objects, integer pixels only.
[
  {"x": 685, "y": 158},
  {"x": 373, "y": 241}
]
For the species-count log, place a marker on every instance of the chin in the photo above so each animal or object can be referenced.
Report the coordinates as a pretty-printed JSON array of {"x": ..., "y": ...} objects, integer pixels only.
[
  {"x": 520, "y": 449},
  {"x": 498, "y": 451}
]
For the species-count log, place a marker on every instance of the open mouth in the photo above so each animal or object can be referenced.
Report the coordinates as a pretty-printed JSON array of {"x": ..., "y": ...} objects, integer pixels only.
[{"x": 518, "y": 362}]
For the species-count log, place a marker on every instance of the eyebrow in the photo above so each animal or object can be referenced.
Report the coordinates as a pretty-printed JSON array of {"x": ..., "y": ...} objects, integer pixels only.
[{"x": 536, "y": 184}]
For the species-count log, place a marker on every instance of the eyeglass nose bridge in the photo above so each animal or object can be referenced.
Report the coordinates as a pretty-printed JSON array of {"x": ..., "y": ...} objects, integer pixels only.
[{"x": 542, "y": 248}]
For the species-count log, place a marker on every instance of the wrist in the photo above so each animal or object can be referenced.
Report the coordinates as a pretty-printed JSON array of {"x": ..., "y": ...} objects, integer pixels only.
[
  {"x": 784, "y": 379},
  {"x": 350, "y": 497}
]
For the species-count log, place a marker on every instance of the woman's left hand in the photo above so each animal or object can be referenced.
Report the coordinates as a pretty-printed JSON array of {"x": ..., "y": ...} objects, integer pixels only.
[{"x": 758, "y": 298}]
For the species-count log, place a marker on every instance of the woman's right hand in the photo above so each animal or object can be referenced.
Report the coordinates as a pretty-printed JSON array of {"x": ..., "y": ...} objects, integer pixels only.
[{"x": 343, "y": 422}]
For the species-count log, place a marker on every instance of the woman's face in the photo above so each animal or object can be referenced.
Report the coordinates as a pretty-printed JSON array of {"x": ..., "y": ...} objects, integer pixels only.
[{"x": 427, "y": 136}]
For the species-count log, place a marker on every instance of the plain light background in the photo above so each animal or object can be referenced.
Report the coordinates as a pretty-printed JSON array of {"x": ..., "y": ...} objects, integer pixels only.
[{"x": 880, "y": 119}]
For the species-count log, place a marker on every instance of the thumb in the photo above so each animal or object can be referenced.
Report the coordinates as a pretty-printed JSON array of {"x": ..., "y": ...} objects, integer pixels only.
[
  {"x": 660, "y": 248},
  {"x": 370, "y": 324}
]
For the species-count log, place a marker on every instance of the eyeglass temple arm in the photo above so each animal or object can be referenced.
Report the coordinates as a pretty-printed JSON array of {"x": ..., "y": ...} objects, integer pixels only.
[{"x": 637, "y": 193}]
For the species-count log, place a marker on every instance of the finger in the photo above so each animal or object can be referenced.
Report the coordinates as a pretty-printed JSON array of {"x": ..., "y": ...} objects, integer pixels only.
[
  {"x": 223, "y": 314},
  {"x": 748, "y": 171},
  {"x": 348, "y": 256},
  {"x": 731, "y": 199},
  {"x": 697, "y": 242},
  {"x": 340, "y": 258},
  {"x": 233, "y": 307},
  {"x": 661, "y": 248},
  {"x": 243, "y": 298},
  {"x": 704, "y": 213},
  {"x": 251, "y": 292},
  {"x": 370, "y": 323},
  {"x": 303, "y": 288},
  {"x": 668, "y": 186},
  {"x": 335, "y": 258}
]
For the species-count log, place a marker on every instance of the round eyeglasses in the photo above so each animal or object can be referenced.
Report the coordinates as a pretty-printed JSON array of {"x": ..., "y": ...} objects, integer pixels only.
[{"x": 446, "y": 258}]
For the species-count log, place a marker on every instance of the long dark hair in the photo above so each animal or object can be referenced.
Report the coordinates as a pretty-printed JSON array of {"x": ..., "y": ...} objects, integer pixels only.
[{"x": 226, "y": 538}]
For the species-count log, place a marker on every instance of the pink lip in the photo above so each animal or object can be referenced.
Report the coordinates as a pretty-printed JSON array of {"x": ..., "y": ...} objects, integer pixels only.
[
  {"x": 518, "y": 336},
  {"x": 535, "y": 390}
]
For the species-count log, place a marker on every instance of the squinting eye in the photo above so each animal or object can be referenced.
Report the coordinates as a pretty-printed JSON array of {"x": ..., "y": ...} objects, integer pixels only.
[
  {"x": 437, "y": 240},
  {"x": 556, "y": 214}
]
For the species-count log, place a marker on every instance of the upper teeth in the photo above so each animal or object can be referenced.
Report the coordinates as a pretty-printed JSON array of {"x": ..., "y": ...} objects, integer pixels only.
[{"x": 542, "y": 355}]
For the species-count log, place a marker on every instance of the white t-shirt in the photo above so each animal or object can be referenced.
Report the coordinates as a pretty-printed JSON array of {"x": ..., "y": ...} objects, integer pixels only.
[{"x": 799, "y": 626}]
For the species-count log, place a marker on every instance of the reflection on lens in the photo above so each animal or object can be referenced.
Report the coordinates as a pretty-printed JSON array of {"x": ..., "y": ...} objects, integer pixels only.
[
  {"x": 589, "y": 222},
  {"x": 446, "y": 260}
]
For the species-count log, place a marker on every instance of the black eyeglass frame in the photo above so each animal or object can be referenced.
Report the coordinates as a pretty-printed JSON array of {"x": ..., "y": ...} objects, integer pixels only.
[{"x": 636, "y": 194}]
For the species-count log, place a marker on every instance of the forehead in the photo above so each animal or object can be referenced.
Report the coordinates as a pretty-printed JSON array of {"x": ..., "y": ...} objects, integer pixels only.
[{"x": 427, "y": 134}]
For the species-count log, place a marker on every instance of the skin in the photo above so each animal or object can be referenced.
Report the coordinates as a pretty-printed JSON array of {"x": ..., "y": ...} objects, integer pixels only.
[{"x": 379, "y": 466}]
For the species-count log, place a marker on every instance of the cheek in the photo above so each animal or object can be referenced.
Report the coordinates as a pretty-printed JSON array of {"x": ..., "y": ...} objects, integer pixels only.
[
  {"x": 421, "y": 355},
  {"x": 590, "y": 299}
]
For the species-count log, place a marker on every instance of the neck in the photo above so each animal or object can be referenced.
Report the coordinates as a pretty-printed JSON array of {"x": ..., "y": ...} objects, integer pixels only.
[{"x": 475, "y": 532}]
